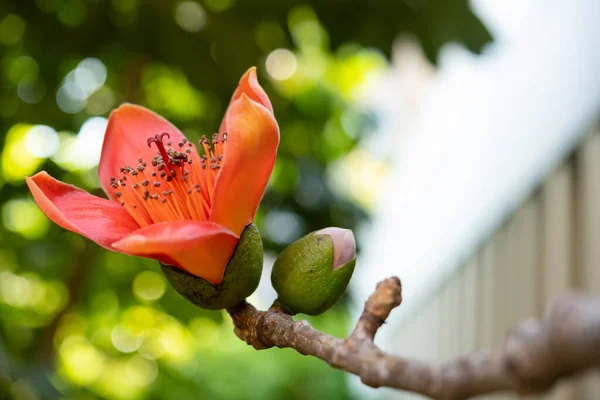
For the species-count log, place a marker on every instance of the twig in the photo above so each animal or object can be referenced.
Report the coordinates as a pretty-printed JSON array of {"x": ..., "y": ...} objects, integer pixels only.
[{"x": 536, "y": 354}]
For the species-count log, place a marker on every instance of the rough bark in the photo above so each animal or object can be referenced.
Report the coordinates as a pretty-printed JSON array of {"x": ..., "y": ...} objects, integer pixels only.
[{"x": 536, "y": 354}]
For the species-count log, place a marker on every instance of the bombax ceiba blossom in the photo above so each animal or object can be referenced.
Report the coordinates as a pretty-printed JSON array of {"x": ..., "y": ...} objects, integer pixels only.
[{"x": 167, "y": 201}]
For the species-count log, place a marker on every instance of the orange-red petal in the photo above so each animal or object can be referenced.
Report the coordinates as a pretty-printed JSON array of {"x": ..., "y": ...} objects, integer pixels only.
[
  {"x": 98, "y": 219},
  {"x": 252, "y": 141},
  {"x": 201, "y": 248},
  {"x": 129, "y": 127},
  {"x": 250, "y": 87}
]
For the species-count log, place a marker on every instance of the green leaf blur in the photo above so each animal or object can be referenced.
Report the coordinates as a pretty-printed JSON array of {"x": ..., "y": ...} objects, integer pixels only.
[{"x": 78, "y": 322}]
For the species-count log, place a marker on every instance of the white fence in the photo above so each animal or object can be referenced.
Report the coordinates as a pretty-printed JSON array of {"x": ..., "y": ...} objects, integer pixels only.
[{"x": 551, "y": 245}]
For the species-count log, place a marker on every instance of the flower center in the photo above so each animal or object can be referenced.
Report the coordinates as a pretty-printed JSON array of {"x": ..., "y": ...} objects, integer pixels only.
[{"x": 175, "y": 185}]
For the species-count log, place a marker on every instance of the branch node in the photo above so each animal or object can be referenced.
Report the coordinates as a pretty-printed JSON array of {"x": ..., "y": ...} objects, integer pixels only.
[{"x": 535, "y": 356}]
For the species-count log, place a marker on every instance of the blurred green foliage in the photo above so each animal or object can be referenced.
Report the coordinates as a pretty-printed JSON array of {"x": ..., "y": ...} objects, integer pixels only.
[{"x": 78, "y": 322}]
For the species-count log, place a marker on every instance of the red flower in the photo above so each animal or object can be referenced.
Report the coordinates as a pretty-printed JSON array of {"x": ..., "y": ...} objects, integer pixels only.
[{"x": 166, "y": 201}]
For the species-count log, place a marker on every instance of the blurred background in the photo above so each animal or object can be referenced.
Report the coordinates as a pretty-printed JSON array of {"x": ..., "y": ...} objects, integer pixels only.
[
  {"x": 392, "y": 124},
  {"x": 78, "y": 322}
]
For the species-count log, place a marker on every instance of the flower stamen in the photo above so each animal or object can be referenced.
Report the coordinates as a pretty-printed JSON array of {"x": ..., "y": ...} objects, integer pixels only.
[{"x": 175, "y": 185}]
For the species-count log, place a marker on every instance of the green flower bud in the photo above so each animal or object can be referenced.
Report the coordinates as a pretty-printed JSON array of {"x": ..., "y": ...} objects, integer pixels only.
[
  {"x": 311, "y": 274},
  {"x": 240, "y": 280}
]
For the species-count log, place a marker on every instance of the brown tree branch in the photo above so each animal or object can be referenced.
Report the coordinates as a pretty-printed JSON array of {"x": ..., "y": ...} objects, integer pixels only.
[{"x": 536, "y": 354}]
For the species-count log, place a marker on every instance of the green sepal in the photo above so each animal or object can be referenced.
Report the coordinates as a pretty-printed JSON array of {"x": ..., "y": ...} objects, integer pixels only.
[
  {"x": 304, "y": 279},
  {"x": 241, "y": 278}
]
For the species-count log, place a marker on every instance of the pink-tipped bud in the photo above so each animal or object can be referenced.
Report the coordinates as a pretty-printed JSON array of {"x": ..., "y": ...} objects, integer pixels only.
[
  {"x": 311, "y": 274},
  {"x": 344, "y": 245}
]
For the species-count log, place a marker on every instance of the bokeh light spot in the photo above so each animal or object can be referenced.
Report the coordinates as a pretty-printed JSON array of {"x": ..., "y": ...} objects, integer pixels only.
[
  {"x": 70, "y": 99},
  {"x": 12, "y": 28},
  {"x": 269, "y": 35},
  {"x": 79, "y": 84},
  {"x": 141, "y": 371},
  {"x": 123, "y": 340},
  {"x": 82, "y": 152},
  {"x": 125, "y": 6},
  {"x": 42, "y": 141},
  {"x": 106, "y": 303},
  {"x": 206, "y": 331},
  {"x": 90, "y": 75},
  {"x": 149, "y": 286},
  {"x": 23, "y": 216},
  {"x": 64, "y": 156},
  {"x": 81, "y": 362},
  {"x": 17, "y": 162},
  {"x": 48, "y": 6},
  {"x": 152, "y": 345},
  {"x": 190, "y": 16},
  {"x": 311, "y": 191},
  {"x": 89, "y": 142},
  {"x": 177, "y": 340},
  {"x": 219, "y": 5},
  {"x": 301, "y": 13},
  {"x": 358, "y": 176},
  {"x": 169, "y": 92},
  {"x": 14, "y": 290},
  {"x": 73, "y": 13},
  {"x": 283, "y": 227},
  {"x": 22, "y": 69},
  {"x": 281, "y": 64},
  {"x": 101, "y": 102},
  {"x": 310, "y": 35},
  {"x": 54, "y": 297},
  {"x": 31, "y": 92}
]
